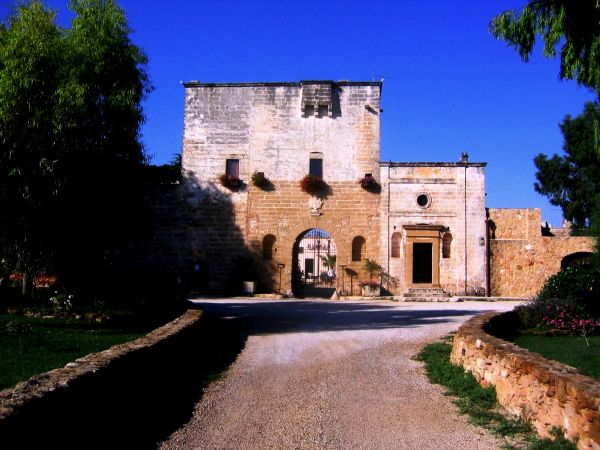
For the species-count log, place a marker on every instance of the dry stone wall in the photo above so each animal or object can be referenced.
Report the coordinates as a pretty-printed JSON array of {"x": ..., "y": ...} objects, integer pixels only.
[
  {"x": 521, "y": 258},
  {"x": 95, "y": 401},
  {"x": 546, "y": 393}
]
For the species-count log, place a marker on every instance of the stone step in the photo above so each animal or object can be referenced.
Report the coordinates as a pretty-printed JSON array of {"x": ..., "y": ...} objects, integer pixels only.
[
  {"x": 425, "y": 293},
  {"x": 438, "y": 298}
]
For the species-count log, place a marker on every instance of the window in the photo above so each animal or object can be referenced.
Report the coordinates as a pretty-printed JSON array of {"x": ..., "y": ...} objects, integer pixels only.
[
  {"x": 446, "y": 244},
  {"x": 316, "y": 167},
  {"x": 358, "y": 248},
  {"x": 396, "y": 245},
  {"x": 309, "y": 110},
  {"x": 423, "y": 200},
  {"x": 268, "y": 244},
  {"x": 232, "y": 168},
  {"x": 323, "y": 111}
]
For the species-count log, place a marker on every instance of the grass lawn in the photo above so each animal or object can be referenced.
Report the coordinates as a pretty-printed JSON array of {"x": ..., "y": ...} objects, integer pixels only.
[
  {"x": 29, "y": 346},
  {"x": 570, "y": 350}
]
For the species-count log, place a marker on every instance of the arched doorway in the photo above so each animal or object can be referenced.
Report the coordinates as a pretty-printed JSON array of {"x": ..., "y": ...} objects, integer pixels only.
[
  {"x": 575, "y": 258},
  {"x": 314, "y": 264}
]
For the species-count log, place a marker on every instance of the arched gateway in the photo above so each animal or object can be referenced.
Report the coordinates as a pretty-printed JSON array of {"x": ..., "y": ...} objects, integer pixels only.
[{"x": 314, "y": 264}]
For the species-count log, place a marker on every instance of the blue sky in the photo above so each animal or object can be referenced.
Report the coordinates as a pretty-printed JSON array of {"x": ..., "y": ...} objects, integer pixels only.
[{"x": 448, "y": 85}]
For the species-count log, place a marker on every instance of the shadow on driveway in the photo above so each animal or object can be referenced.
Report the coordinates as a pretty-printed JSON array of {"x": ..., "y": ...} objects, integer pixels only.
[{"x": 291, "y": 316}]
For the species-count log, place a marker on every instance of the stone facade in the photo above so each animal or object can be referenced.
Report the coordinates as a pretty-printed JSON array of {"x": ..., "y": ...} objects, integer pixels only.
[
  {"x": 277, "y": 128},
  {"x": 451, "y": 218},
  {"x": 424, "y": 223},
  {"x": 521, "y": 259},
  {"x": 545, "y": 393}
]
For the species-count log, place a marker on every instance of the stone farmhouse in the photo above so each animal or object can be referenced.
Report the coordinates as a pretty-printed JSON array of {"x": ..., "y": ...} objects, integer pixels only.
[{"x": 242, "y": 212}]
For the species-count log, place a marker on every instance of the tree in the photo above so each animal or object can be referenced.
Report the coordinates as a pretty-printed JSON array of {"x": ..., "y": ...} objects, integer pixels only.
[
  {"x": 71, "y": 157},
  {"x": 104, "y": 82},
  {"x": 30, "y": 49},
  {"x": 572, "y": 181},
  {"x": 575, "y": 24}
]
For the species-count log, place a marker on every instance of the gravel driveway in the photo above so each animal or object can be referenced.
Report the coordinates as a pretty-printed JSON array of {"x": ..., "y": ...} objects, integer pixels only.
[{"x": 324, "y": 374}]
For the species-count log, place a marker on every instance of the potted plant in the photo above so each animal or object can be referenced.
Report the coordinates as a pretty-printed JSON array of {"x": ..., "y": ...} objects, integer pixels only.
[
  {"x": 230, "y": 182},
  {"x": 371, "y": 288},
  {"x": 261, "y": 181},
  {"x": 313, "y": 185},
  {"x": 369, "y": 183}
]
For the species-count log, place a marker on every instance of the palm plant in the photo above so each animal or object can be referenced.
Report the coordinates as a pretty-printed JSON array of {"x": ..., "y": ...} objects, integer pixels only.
[{"x": 329, "y": 261}]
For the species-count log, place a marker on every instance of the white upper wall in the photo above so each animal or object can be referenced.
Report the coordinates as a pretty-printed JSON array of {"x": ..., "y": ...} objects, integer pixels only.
[{"x": 265, "y": 126}]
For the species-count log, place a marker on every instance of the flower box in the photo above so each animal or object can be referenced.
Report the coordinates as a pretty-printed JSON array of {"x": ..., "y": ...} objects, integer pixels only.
[
  {"x": 313, "y": 185},
  {"x": 371, "y": 290},
  {"x": 260, "y": 181},
  {"x": 369, "y": 183},
  {"x": 230, "y": 182}
]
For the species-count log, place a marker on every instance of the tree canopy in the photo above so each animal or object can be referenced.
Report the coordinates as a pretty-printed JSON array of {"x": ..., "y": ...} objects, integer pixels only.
[
  {"x": 70, "y": 150},
  {"x": 572, "y": 181},
  {"x": 573, "y": 24}
]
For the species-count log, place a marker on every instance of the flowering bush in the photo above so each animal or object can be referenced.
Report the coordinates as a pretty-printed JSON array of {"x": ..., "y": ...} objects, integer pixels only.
[
  {"x": 570, "y": 318},
  {"x": 313, "y": 185},
  {"x": 369, "y": 183},
  {"x": 230, "y": 182},
  {"x": 566, "y": 303},
  {"x": 62, "y": 302}
]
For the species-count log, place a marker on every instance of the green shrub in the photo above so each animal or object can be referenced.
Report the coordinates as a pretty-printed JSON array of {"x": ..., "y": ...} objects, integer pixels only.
[{"x": 577, "y": 286}]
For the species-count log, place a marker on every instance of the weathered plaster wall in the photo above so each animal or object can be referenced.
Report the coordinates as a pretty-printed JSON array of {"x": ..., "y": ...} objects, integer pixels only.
[
  {"x": 457, "y": 194},
  {"x": 546, "y": 393},
  {"x": 521, "y": 258},
  {"x": 264, "y": 126}
]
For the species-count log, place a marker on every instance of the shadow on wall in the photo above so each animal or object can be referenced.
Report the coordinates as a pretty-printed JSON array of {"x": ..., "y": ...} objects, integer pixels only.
[{"x": 197, "y": 240}]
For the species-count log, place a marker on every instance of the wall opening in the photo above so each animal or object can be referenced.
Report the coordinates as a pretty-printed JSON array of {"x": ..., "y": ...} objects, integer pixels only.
[
  {"x": 446, "y": 245},
  {"x": 576, "y": 258},
  {"x": 395, "y": 250},
  {"x": 268, "y": 246},
  {"x": 422, "y": 262},
  {"x": 358, "y": 248},
  {"x": 314, "y": 258}
]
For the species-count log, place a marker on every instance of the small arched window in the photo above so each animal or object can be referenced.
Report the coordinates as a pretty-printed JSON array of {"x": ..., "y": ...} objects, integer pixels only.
[
  {"x": 268, "y": 246},
  {"x": 446, "y": 245},
  {"x": 396, "y": 245},
  {"x": 358, "y": 248}
]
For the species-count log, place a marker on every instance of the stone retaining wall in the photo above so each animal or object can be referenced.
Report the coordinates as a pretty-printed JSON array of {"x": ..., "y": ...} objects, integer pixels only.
[
  {"x": 97, "y": 391},
  {"x": 546, "y": 393}
]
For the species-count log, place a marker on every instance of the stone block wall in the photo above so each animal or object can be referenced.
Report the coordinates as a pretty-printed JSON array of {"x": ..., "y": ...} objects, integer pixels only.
[
  {"x": 349, "y": 211},
  {"x": 521, "y": 258},
  {"x": 457, "y": 203},
  {"x": 276, "y": 128},
  {"x": 546, "y": 393}
]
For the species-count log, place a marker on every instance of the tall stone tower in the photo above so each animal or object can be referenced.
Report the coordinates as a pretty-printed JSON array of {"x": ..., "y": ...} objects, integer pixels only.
[{"x": 282, "y": 132}]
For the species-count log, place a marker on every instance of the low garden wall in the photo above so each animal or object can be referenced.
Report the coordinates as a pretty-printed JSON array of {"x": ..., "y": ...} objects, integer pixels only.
[
  {"x": 546, "y": 393},
  {"x": 104, "y": 394}
]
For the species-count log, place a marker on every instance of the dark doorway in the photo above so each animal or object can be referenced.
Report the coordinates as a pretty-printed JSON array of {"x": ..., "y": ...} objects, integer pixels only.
[
  {"x": 422, "y": 255},
  {"x": 576, "y": 258}
]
